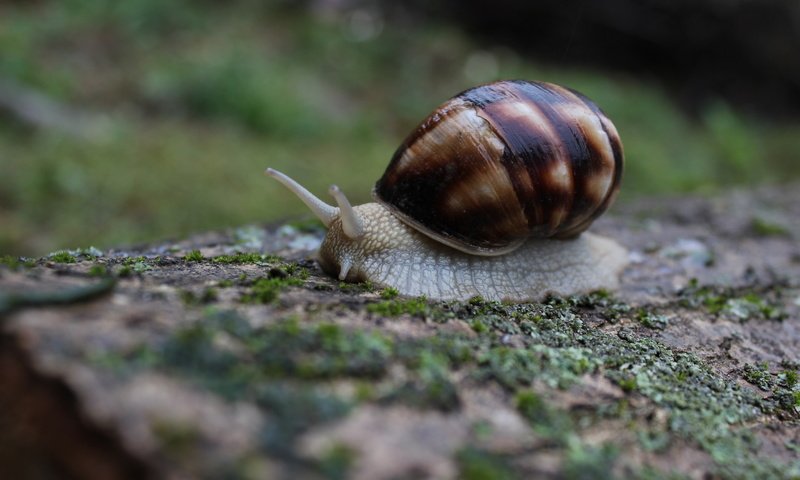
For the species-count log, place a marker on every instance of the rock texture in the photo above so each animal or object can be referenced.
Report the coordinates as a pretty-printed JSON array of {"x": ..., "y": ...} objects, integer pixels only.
[{"x": 231, "y": 355}]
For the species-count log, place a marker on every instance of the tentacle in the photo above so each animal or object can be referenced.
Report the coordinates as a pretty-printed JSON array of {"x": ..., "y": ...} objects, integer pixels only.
[
  {"x": 352, "y": 225},
  {"x": 344, "y": 268},
  {"x": 326, "y": 213}
]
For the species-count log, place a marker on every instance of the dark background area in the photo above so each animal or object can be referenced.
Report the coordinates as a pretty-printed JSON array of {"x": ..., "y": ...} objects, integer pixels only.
[
  {"x": 746, "y": 52},
  {"x": 124, "y": 122}
]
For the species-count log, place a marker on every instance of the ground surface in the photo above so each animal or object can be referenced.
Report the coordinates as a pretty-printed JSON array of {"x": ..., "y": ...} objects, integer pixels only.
[{"x": 230, "y": 355}]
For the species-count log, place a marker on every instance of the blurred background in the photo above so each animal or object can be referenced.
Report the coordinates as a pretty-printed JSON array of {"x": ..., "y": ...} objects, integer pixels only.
[{"x": 126, "y": 122}]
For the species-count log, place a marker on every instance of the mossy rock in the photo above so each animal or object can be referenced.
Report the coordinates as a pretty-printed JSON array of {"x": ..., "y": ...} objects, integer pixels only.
[{"x": 210, "y": 358}]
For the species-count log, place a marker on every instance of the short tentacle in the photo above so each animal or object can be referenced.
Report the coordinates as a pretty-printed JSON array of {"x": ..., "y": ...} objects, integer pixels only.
[
  {"x": 344, "y": 268},
  {"x": 352, "y": 225}
]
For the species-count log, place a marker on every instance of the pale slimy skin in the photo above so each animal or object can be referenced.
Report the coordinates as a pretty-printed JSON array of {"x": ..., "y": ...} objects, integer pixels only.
[{"x": 389, "y": 253}]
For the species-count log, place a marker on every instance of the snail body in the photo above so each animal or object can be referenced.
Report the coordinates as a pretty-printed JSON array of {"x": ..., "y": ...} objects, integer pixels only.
[{"x": 488, "y": 196}]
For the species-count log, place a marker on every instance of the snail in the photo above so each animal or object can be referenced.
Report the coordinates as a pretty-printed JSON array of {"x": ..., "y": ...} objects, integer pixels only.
[{"x": 489, "y": 196}]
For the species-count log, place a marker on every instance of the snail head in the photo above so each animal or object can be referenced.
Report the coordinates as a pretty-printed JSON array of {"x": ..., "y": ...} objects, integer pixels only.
[{"x": 348, "y": 228}]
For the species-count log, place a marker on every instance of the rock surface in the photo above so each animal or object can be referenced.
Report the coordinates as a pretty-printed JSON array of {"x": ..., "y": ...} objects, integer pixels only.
[{"x": 231, "y": 355}]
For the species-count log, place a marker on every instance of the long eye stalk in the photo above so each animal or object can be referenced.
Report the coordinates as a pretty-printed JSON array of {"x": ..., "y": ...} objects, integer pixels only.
[{"x": 326, "y": 213}]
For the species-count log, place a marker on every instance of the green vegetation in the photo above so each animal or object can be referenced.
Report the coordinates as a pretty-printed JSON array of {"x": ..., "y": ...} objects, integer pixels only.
[
  {"x": 267, "y": 289},
  {"x": 735, "y": 303},
  {"x": 389, "y": 293},
  {"x": 477, "y": 464},
  {"x": 98, "y": 270},
  {"x": 392, "y": 308},
  {"x": 651, "y": 320},
  {"x": 242, "y": 258},
  {"x": 194, "y": 256},
  {"x": 196, "y": 99},
  {"x": 206, "y": 296},
  {"x": 62, "y": 257},
  {"x": 15, "y": 263},
  {"x": 767, "y": 227}
]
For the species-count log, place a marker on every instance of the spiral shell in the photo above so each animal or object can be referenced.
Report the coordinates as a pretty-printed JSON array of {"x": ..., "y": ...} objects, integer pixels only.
[{"x": 502, "y": 162}]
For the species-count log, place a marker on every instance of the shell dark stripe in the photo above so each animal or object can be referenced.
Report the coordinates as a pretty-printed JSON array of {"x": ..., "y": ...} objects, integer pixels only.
[
  {"x": 611, "y": 138},
  {"x": 592, "y": 158},
  {"x": 568, "y": 141},
  {"x": 531, "y": 150},
  {"x": 502, "y": 162},
  {"x": 434, "y": 195}
]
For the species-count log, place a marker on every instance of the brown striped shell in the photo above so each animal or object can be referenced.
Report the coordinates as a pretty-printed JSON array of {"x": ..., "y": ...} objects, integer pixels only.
[{"x": 502, "y": 162}]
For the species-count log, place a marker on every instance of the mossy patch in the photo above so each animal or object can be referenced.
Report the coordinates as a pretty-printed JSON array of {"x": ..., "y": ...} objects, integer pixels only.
[
  {"x": 15, "y": 263},
  {"x": 204, "y": 297},
  {"x": 99, "y": 270},
  {"x": 768, "y": 227},
  {"x": 245, "y": 258},
  {"x": 62, "y": 257},
  {"x": 736, "y": 304},
  {"x": 651, "y": 320},
  {"x": 177, "y": 439},
  {"x": 267, "y": 289},
  {"x": 285, "y": 368},
  {"x": 194, "y": 256},
  {"x": 389, "y": 293},
  {"x": 419, "y": 306},
  {"x": 477, "y": 464},
  {"x": 357, "y": 288},
  {"x": 336, "y": 461}
]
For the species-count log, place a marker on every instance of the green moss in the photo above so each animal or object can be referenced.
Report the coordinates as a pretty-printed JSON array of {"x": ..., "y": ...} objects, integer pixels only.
[
  {"x": 736, "y": 304},
  {"x": 266, "y": 290},
  {"x": 360, "y": 287},
  {"x": 176, "y": 439},
  {"x": 584, "y": 462},
  {"x": 242, "y": 258},
  {"x": 549, "y": 422},
  {"x": 651, "y": 320},
  {"x": 293, "y": 409},
  {"x": 281, "y": 350},
  {"x": 124, "y": 271},
  {"x": 758, "y": 375},
  {"x": 194, "y": 256},
  {"x": 477, "y": 300},
  {"x": 430, "y": 386},
  {"x": 392, "y": 308},
  {"x": 336, "y": 461},
  {"x": 767, "y": 227},
  {"x": 98, "y": 270},
  {"x": 389, "y": 293},
  {"x": 790, "y": 378},
  {"x": 131, "y": 261},
  {"x": 301, "y": 272},
  {"x": 476, "y": 464},
  {"x": 62, "y": 257},
  {"x": 141, "y": 267},
  {"x": 478, "y": 325},
  {"x": 282, "y": 363},
  {"x": 206, "y": 296},
  {"x": 15, "y": 263}
]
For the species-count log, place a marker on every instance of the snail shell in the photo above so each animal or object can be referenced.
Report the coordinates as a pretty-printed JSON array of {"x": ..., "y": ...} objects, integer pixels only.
[{"x": 503, "y": 162}]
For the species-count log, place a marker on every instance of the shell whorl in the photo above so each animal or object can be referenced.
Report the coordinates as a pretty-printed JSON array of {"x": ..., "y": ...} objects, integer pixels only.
[{"x": 502, "y": 162}]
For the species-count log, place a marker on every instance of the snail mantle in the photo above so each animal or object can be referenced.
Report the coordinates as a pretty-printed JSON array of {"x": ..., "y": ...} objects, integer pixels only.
[{"x": 489, "y": 196}]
